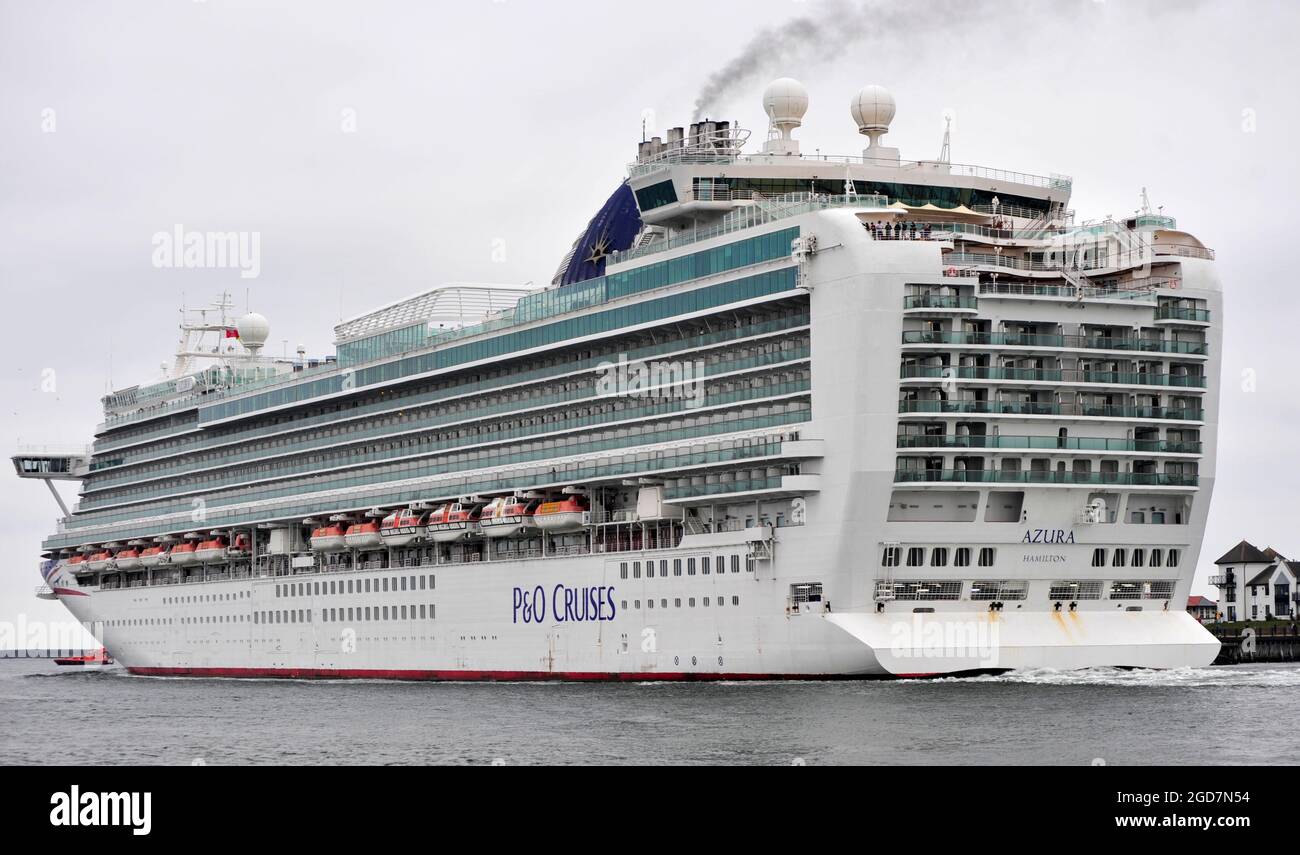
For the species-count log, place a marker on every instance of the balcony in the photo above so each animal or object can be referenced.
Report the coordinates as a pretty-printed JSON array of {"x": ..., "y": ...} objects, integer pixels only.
[
  {"x": 1031, "y": 408},
  {"x": 938, "y": 301},
  {"x": 1050, "y": 375},
  {"x": 1089, "y": 342},
  {"x": 1223, "y": 581},
  {"x": 994, "y": 476},
  {"x": 1079, "y": 443},
  {"x": 1177, "y": 313},
  {"x": 1144, "y": 294}
]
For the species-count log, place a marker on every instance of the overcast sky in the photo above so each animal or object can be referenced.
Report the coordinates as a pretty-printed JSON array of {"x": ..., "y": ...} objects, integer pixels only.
[{"x": 383, "y": 148}]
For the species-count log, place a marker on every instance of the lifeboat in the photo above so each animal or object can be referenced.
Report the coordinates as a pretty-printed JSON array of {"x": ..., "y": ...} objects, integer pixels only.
[
  {"x": 239, "y": 549},
  {"x": 75, "y": 562},
  {"x": 215, "y": 549},
  {"x": 153, "y": 556},
  {"x": 100, "y": 657},
  {"x": 183, "y": 553},
  {"x": 363, "y": 536},
  {"x": 128, "y": 559},
  {"x": 454, "y": 522},
  {"x": 508, "y": 516},
  {"x": 567, "y": 514},
  {"x": 102, "y": 560},
  {"x": 402, "y": 528},
  {"x": 330, "y": 538}
]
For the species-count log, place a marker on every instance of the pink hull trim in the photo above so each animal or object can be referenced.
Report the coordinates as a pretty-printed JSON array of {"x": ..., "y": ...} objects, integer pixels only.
[{"x": 470, "y": 676}]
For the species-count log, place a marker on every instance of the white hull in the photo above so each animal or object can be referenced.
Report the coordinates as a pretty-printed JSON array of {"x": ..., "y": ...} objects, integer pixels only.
[
  {"x": 486, "y": 625},
  {"x": 507, "y": 526},
  {"x": 397, "y": 538},
  {"x": 452, "y": 532},
  {"x": 568, "y": 521}
]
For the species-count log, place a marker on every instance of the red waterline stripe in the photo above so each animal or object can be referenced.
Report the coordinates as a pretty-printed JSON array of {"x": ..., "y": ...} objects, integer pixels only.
[{"x": 476, "y": 676}]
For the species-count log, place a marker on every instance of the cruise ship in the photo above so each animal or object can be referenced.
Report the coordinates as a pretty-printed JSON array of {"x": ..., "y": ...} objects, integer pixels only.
[{"x": 776, "y": 416}]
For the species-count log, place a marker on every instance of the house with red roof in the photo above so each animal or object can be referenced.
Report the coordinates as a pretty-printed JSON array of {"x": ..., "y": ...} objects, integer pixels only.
[{"x": 1202, "y": 608}]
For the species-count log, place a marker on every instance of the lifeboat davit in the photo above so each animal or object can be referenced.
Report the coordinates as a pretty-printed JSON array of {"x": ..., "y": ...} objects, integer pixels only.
[
  {"x": 402, "y": 528},
  {"x": 102, "y": 560},
  {"x": 567, "y": 514},
  {"x": 455, "y": 521},
  {"x": 363, "y": 536},
  {"x": 215, "y": 549},
  {"x": 508, "y": 516},
  {"x": 154, "y": 556},
  {"x": 128, "y": 559},
  {"x": 330, "y": 538},
  {"x": 183, "y": 553}
]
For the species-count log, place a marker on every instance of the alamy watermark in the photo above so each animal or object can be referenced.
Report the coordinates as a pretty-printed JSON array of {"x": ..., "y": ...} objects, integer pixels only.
[
  {"x": 660, "y": 380},
  {"x": 179, "y": 248},
  {"x": 975, "y": 641}
]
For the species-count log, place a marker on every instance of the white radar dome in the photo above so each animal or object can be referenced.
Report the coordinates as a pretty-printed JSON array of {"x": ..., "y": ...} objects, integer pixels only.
[
  {"x": 253, "y": 330},
  {"x": 872, "y": 109},
  {"x": 785, "y": 100}
]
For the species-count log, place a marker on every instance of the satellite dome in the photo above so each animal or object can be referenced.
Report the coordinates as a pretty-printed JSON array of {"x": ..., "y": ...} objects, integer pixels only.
[
  {"x": 785, "y": 100},
  {"x": 253, "y": 330},
  {"x": 872, "y": 109}
]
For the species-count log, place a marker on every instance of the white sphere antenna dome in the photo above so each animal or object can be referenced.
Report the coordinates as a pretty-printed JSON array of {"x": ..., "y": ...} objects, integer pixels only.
[
  {"x": 785, "y": 100},
  {"x": 253, "y": 330},
  {"x": 873, "y": 110}
]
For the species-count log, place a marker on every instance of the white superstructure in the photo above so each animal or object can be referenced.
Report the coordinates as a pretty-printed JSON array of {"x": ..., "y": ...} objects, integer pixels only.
[{"x": 778, "y": 416}]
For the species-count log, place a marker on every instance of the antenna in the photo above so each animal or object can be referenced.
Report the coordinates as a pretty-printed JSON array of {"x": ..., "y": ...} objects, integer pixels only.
[
  {"x": 1146, "y": 202},
  {"x": 945, "y": 153}
]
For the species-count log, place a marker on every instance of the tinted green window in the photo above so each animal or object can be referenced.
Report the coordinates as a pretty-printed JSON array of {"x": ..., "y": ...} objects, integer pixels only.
[{"x": 656, "y": 195}]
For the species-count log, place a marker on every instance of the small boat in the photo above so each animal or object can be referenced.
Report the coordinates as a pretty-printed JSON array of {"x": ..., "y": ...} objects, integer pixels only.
[
  {"x": 455, "y": 521},
  {"x": 128, "y": 559},
  {"x": 239, "y": 549},
  {"x": 401, "y": 528},
  {"x": 507, "y": 516},
  {"x": 363, "y": 535},
  {"x": 102, "y": 560},
  {"x": 329, "y": 538},
  {"x": 567, "y": 514},
  {"x": 216, "y": 549},
  {"x": 100, "y": 657},
  {"x": 154, "y": 556},
  {"x": 183, "y": 553}
]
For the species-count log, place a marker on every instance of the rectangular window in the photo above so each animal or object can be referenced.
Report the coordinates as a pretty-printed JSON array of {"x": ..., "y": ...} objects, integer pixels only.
[
  {"x": 1099, "y": 557},
  {"x": 961, "y": 556},
  {"x": 677, "y": 566},
  {"x": 622, "y": 570},
  {"x": 735, "y": 564},
  {"x": 987, "y": 556},
  {"x": 1002, "y": 589},
  {"x": 939, "y": 557},
  {"x": 1075, "y": 590},
  {"x": 915, "y": 556},
  {"x": 889, "y": 557}
]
